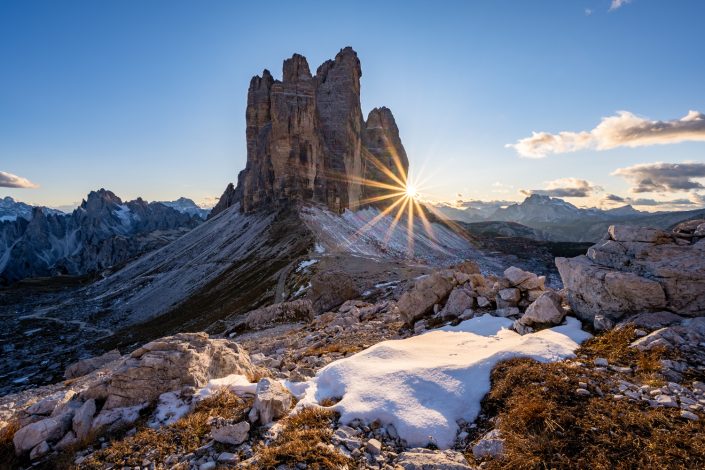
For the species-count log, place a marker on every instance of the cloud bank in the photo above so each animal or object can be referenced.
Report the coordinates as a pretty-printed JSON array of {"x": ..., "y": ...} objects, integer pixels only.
[
  {"x": 565, "y": 187},
  {"x": 663, "y": 177},
  {"x": 625, "y": 129},
  {"x": 682, "y": 202},
  {"x": 8, "y": 180}
]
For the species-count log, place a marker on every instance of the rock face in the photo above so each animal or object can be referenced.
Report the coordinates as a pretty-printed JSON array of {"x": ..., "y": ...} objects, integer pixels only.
[
  {"x": 307, "y": 139},
  {"x": 635, "y": 270},
  {"x": 102, "y": 232},
  {"x": 170, "y": 363}
]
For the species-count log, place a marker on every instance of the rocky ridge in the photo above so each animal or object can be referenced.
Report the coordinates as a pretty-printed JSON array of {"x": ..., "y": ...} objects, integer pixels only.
[{"x": 102, "y": 232}]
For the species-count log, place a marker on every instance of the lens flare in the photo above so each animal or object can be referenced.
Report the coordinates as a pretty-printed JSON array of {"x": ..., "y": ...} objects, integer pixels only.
[{"x": 411, "y": 191}]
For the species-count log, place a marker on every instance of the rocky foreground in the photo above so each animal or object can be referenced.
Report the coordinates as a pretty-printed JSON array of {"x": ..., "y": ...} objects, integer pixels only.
[{"x": 263, "y": 394}]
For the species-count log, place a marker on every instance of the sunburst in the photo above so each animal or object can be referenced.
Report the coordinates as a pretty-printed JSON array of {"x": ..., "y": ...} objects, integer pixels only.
[{"x": 403, "y": 196}]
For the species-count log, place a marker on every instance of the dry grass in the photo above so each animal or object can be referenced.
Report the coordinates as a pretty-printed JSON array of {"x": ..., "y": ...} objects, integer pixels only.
[
  {"x": 7, "y": 448},
  {"x": 341, "y": 348},
  {"x": 614, "y": 346},
  {"x": 546, "y": 425},
  {"x": 184, "y": 436},
  {"x": 304, "y": 438}
]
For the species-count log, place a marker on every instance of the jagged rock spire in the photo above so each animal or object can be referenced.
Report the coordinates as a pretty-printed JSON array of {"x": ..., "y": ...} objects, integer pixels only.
[{"x": 307, "y": 139}]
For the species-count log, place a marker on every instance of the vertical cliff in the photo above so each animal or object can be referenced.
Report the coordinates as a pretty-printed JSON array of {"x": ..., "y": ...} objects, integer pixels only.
[{"x": 307, "y": 139}]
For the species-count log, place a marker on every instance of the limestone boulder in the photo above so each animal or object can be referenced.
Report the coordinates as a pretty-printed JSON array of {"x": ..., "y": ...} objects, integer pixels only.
[
  {"x": 546, "y": 310},
  {"x": 592, "y": 289},
  {"x": 233, "y": 434},
  {"x": 272, "y": 401},
  {"x": 173, "y": 362},
  {"x": 516, "y": 276},
  {"x": 632, "y": 233},
  {"x": 459, "y": 300},
  {"x": 427, "y": 292},
  {"x": 83, "y": 418},
  {"x": 637, "y": 270},
  {"x": 28, "y": 437}
]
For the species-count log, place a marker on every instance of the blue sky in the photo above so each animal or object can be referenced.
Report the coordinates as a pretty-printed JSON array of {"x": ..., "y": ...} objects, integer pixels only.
[{"x": 148, "y": 98}]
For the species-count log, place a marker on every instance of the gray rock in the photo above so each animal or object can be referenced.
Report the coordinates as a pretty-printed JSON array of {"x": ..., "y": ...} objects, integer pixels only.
[
  {"x": 67, "y": 441},
  {"x": 602, "y": 323},
  {"x": 516, "y": 276},
  {"x": 28, "y": 437},
  {"x": 272, "y": 401},
  {"x": 39, "y": 451},
  {"x": 373, "y": 447},
  {"x": 636, "y": 270},
  {"x": 490, "y": 445},
  {"x": 83, "y": 419},
  {"x": 459, "y": 300},
  {"x": 689, "y": 415},
  {"x": 546, "y": 310},
  {"x": 426, "y": 459},
  {"x": 234, "y": 434},
  {"x": 330, "y": 289},
  {"x": 652, "y": 320}
]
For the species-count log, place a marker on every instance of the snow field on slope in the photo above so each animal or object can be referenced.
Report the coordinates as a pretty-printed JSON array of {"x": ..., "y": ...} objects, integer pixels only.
[{"x": 422, "y": 385}]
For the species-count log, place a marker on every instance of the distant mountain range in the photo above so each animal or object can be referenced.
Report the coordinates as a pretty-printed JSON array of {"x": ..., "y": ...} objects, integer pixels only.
[
  {"x": 559, "y": 220},
  {"x": 102, "y": 232},
  {"x": 187, "y": 206},
  {"x": 10, "y": 210}
]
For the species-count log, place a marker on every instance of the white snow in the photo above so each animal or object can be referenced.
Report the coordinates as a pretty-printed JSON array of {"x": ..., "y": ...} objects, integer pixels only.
[
  {"x": 170, "y": 409},
  {"x": 305, "y": 264},
  {"x": 124, "y": 214},
  {"x": 423, "y": 384},
  {"x": 318, "y": 248},
  {"x": 236, "y": 383}
]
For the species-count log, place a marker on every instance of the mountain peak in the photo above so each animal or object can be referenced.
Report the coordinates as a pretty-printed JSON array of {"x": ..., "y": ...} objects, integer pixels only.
[{"x": 307, "y": 139}]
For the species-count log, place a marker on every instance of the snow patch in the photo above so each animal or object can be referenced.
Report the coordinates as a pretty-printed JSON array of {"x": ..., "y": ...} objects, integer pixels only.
[
  {"x": 424, "y": 384},
  {"x": 236, "y": 383},
  {"x": 305, "y": 264},
  {"x": 124, "y": 214},
  {"x": 170, "y": 408}
]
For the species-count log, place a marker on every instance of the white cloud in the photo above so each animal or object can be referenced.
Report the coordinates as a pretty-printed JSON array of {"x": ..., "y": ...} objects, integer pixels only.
[
  {"x": 618, "y": 4},
  {"x": 565, "y": 187},
  {"x": 625, "y": 129},
  {"x": 8, "y": 180},
  {"x": 663, "y": 177}
]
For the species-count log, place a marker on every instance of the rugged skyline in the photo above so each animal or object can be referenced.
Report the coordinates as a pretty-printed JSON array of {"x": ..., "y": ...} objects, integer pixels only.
[{"x": 479, "y": 91}]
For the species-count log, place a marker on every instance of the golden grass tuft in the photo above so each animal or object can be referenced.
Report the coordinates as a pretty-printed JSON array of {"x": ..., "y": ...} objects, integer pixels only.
[
  {"x": 546, "y": 425},
  {"x": 304, "y": 438},
  {"x": 183, "y": 436}
]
